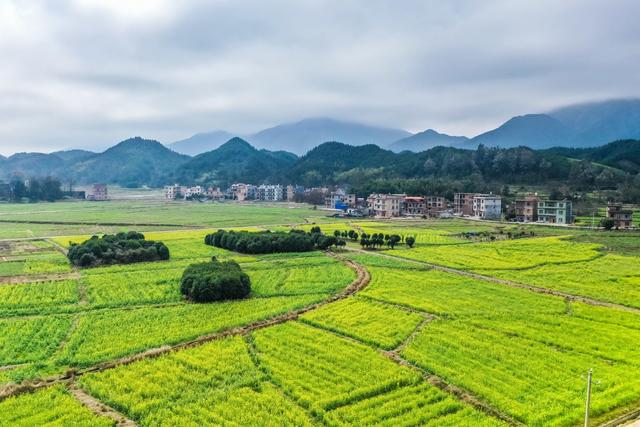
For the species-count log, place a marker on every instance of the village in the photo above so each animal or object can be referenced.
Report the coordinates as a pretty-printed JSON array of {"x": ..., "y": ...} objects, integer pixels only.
[{"x": 479, "y": 206}]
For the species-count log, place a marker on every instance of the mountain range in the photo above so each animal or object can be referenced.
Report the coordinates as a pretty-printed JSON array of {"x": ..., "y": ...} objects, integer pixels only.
[
  {"x": 578, "y": 126},
  {"x": 138, "y": 162}
]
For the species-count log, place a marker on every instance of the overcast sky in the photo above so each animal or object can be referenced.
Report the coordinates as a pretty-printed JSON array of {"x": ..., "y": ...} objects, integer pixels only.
[{"x": 90, "y": 73}]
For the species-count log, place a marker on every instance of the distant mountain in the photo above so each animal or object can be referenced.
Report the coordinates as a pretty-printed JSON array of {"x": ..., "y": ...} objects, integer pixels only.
[
  {"x": 304, "y": 135},
  {"x": 31, "y": 164},
  {"x": 72, "y": 156},
  {"x": 201, "y": 142},
  {"x": 133, "y": 162},
  {"x": 597, "y": 123},
  {"x": 428, "y": 139},
  {"x": 236, "y": 161},
  {"x": 531, "y": 130}
]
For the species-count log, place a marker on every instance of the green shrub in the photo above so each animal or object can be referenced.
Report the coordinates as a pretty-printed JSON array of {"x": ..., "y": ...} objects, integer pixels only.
[
  {"x": 215, "y": 281},
  {"x": 121, "y": 248}
]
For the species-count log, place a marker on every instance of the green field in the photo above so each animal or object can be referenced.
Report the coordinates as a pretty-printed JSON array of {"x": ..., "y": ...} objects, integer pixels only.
[{"x": 454, "y": 331}]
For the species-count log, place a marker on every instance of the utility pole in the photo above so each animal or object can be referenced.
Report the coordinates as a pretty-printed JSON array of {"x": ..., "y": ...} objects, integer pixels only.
[{"x": 586, "y": 409}]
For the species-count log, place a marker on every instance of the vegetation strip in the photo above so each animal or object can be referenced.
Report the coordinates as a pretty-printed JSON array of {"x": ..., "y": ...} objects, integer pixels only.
[
  {"x": 99, "y": 408},
  {"x": 361, "y": 281},
  {"x": 532, "y": 288}
]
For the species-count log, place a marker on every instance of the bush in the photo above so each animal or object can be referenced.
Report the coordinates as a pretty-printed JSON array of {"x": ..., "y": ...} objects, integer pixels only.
[
  {"x": 607, "y": 223},
  {"x": 215, "y": 281},
  {"x": 410, "y": 241},
  {"x": 267, "y": 242},
  {"x": 121, "y": 248}
]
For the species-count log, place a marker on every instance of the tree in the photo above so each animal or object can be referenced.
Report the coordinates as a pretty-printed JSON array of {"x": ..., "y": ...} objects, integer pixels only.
[
  {"x": 410, "y": 241},
  {"x": 393, "y": 240},
  {"x": 215, "y": 281},
  {"x": 18, "y": 189},
  {"x": 607, "y": 223}
]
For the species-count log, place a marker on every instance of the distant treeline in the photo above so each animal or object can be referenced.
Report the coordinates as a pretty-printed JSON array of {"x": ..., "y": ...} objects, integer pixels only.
[
  {"x": 121, "y": 248},
  {"x": 33, "y": 189},
  {"x": 266, "y": 242}
]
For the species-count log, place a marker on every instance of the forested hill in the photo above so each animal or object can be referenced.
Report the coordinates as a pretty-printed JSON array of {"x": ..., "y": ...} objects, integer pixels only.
[{"x": 137, "y": 162}]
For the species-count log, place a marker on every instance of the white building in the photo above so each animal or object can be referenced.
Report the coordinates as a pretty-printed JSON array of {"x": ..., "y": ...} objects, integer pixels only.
[
  {"x": 172, "y": 191},
  {"x": 487, "y": 206},
  {"x": 270, "y": 193}
]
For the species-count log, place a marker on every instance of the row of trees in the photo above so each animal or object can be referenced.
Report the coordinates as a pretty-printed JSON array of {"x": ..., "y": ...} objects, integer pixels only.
[
  {"x": 35, "y": 189},
  {"x": 377, "y": 240},
  {"x": 272, "y": 242},
  {"x": 121, "y": 248},
  {"x": 215, "y": 281}
]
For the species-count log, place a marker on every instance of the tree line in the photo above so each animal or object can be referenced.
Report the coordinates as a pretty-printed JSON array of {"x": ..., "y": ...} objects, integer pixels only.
[
  {"x": 266, "y": 242},
  {"x": 34, "y": 189}
]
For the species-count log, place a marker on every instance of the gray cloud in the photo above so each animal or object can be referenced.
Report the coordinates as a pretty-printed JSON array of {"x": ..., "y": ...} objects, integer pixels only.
[{"x": 88, "y": 73}]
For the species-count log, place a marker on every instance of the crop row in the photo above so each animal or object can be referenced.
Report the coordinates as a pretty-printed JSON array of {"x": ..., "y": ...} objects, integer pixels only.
[
  {"x": 53, "y": 406},
  {"x": 505, "y": 254},
  {"x": 216, "y": 383},
  {"x": 372, "y": 322}
]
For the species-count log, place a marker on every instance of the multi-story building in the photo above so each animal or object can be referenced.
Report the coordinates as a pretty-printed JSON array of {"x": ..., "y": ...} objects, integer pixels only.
[
  {"x": 487, "y": 206},
  {"x": 214, "y": 193},
  {"x": 172, "y": 191},
  {"x": 192, "y": 191},
  {"x": 339, "y": 199},
  {"x": 291, "y": 192},
  {"x": 527, "y": 209},
  {"x": 99, "y": 192},
  {"x": 242, "y": 192},
  {"x": 622, "y": 218},
  {"x": 385, "y": 205},
  {"x": 271, "y": 193},
  {"x": 414, "y": 206},
  {"x": 555, "y": 211},
  {"x": 434, "y": 205},
  {"x": 463, "y": 203}
]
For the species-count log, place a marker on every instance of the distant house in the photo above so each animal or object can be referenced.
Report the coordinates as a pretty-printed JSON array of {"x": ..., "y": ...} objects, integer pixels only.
[
  {"x": 487, "y": 206},
  {"x": 340, "y": 199},
  {"x": 385, "y": 205},
  {"x": 242, "y": 192},
  {"x": 214, "y": 193},
  {"x": 463, "y": 203},
  {"x": 622, "y": 218},
  {"x": 527, "y": 209},
  {"x": 270, "y": 193},
  {"x": 414, "y": 206},
  {"x": 98, "y": 193},
  {"x": 555, "y": 211}
]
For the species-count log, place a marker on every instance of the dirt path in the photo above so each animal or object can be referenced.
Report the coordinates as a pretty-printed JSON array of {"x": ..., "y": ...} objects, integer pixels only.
[
  {"x": 98, "y": 407},
  {"x": 360, "y": 282},
  {"x": 11, "y": 280},
  {"x": 567, "y": 296}
]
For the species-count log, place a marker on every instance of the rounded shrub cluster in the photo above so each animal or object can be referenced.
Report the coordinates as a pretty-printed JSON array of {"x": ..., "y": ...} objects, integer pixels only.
[
  {"x": 121, "y": 248},
  {"x": 215, "y": 281}
]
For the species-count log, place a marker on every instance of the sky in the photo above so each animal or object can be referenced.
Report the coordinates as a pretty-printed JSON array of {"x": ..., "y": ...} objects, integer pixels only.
[{"x": 88, "y": 74}]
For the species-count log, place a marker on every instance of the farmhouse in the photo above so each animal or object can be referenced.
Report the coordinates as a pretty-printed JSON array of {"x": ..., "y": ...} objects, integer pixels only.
[
  {"x": 487, "y": 206},
  {"x": 385, "y": 205},
  {"x": 555, "y": 211},
  {"x": 271, "y": 193},
  {"x": 98, "y": 193},
  {"x": 527, "y": 209},
  {"x": 622, "y": 218},
  {"x": 339, "y": 199},
  {"x": 463, "y": 203}
]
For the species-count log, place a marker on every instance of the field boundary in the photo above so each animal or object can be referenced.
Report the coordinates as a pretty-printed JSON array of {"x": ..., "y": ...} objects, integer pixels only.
[
  {"x": 97, "y": 407},
  {"x": 362, "y": 279},
  {"x": 532, "y": 288}
]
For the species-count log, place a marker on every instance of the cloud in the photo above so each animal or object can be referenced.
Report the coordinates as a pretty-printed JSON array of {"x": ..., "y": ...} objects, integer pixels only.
[{"x": 89, "y": 73}]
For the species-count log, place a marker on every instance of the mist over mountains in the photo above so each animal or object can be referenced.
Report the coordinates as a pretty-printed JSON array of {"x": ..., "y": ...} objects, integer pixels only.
[
  {"x": 582, "y": 125},
  {"x": 317, "y": 150}
]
